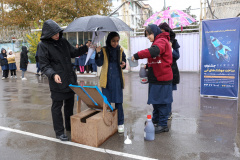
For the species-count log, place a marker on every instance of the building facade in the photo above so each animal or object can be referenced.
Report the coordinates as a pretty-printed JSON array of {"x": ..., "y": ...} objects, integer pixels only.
[
  {"x": 133, "y": 13},
  {"x": 223, "y": 9}
]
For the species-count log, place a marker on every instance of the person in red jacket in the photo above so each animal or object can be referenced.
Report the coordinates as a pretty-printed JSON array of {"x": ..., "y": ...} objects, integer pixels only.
[{"x": 159, "y": 75}]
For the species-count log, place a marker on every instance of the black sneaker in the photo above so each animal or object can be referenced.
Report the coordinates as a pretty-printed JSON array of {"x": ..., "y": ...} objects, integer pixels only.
[
  {"x": 160, "y": 129},
  {"x": 63, "y": 137},
  {"x": 155, "y": 124}
]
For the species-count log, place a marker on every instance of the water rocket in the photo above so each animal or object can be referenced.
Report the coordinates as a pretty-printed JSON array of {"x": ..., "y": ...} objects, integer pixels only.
[{"x": 221, "y": 50}]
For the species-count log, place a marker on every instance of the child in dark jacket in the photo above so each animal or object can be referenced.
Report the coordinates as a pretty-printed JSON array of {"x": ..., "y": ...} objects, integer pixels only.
[
  {"x": 4, "y": 63},
  {"x": 159, "y": 75},
  {"x": 113, "y": 60}
]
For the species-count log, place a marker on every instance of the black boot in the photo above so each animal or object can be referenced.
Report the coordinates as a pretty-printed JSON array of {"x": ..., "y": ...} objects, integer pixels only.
[
  {"x": 160, "y": 129},
  {"x": 63, "y": 137}
]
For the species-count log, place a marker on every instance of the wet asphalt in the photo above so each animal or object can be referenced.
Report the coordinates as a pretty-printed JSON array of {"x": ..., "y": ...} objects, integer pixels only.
[{"x": 201, "y": 128}]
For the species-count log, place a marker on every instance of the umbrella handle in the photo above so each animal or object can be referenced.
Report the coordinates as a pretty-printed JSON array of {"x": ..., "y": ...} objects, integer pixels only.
[{"x": 97, "y": 30}]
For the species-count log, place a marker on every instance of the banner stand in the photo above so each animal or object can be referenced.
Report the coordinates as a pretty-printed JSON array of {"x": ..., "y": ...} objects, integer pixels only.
[{"x": 220, "y": 58}]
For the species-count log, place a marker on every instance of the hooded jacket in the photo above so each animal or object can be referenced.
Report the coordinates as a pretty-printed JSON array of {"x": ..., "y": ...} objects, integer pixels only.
[
  {"x": 159, "y": 59},
  {"x": 3, "y": 57},
  {"x": 55, "y": 58},
  {"x": 24, "y": 58}
]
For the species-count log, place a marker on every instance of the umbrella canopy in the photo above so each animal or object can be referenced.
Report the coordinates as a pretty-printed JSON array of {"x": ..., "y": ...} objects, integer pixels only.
[
  {"x": 97, "y": 23},
  {"x": 174, "y": 18}
]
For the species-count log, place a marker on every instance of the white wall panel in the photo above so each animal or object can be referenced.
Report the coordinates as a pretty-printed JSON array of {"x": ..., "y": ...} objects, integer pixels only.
[
  {"x": 138, "y": 44},
  {"x": 189, "y": 51}
]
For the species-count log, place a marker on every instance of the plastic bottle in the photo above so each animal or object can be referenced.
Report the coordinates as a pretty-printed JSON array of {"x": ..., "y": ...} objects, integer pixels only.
[
  {"x": 149, "y": 130},
  {"x": 143, "y": 74}
]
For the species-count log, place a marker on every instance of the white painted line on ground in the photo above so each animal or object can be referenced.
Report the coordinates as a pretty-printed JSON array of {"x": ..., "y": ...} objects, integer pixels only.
[{"x": 122, "y": 154}]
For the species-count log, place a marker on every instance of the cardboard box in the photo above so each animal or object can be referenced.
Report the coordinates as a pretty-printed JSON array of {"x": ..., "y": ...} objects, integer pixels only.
[{"x": 95, "y": 125}]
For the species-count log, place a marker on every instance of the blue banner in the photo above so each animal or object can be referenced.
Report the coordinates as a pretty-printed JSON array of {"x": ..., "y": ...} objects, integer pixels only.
[{"x": 220, "y": 57}]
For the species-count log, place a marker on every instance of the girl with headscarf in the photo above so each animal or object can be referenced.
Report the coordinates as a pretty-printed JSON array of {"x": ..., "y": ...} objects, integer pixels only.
[
  {"x": 4, "y": 63},
  {"x": 113, "y": 60},
  {"x": 159, "y": 75},
  {"x": 12, "y": 63},
  {"x": 175, "y": 55},
  {"x": 24, "y": 61}
]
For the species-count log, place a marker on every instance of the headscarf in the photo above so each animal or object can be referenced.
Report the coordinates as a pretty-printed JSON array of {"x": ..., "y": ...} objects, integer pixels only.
[
  {"x": 110, "y": 36},
  {"x": 155, "y": 29},
  {"x": 166, "y": 27},
  {"x": 11, "y": 55},
  {"x": 4, "y": 54},
  {"x": 24, "y": 50}
]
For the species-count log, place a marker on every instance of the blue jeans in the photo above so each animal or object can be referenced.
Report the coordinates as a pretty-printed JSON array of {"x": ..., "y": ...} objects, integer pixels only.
[
  {"x": 23, "y": 72},
  {"x": 94, "y": 67},
  {"x": 119, "y": 107},
  {"x": 160, "y": 114}
]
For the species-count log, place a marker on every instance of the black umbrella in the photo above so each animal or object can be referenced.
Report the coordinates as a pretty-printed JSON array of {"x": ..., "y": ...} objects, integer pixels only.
[{"x": 97, "y": 23}]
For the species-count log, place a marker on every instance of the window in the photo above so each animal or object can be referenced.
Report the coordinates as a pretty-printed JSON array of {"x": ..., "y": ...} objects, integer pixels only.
[
  {"x": 80, "y": 38},
  {"x": 90, "y": 35},
  {"x": 65, "y": 35},
  {"x": 85, "y": 37},
  {"x": 72, "y": 38},
  {"x": 132, "y": 19}
]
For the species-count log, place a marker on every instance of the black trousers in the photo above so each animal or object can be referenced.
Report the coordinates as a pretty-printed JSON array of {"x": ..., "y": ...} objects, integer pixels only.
[
  {"x": 13, "y": 72},
  {"x": 58, "y": 117},
  {"x": 77, "y": 66},
  {"x": 5, "y": 73}
]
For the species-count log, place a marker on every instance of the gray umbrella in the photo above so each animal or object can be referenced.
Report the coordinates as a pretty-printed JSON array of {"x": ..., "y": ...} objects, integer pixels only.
[{"x": 97, "y": 23}]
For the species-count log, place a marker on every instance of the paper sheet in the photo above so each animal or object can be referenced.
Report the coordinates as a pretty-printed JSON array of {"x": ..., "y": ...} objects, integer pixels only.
[{"x": 96, "y": 38}]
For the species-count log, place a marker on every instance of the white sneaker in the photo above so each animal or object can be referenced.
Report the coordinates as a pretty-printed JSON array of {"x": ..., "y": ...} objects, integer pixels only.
[
  {"x": 3, "y": 78},
  {"x": 121, "y": 128},
  {"x": 24, "y": 78},
  {"x": 93, "y": 72},
  {"x": 11, "y": 76},
  {"x": 15, "y": 77}
]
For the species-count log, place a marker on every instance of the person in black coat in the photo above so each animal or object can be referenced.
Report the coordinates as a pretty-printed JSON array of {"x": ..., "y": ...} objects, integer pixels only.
[
  {"x": 4, "y": 63},
  {"x": 55, "y": 53},
  {"x": 175, "y": 54},
  {"x": 24, "y": 61}
]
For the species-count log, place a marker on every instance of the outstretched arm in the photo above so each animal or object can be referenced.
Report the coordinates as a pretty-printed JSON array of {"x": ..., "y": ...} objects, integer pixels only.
[{"x": 76, "y": 52}]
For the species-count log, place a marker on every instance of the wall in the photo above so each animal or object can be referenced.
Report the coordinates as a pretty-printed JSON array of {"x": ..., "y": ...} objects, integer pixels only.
[{"x": 224, "y": 9}]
